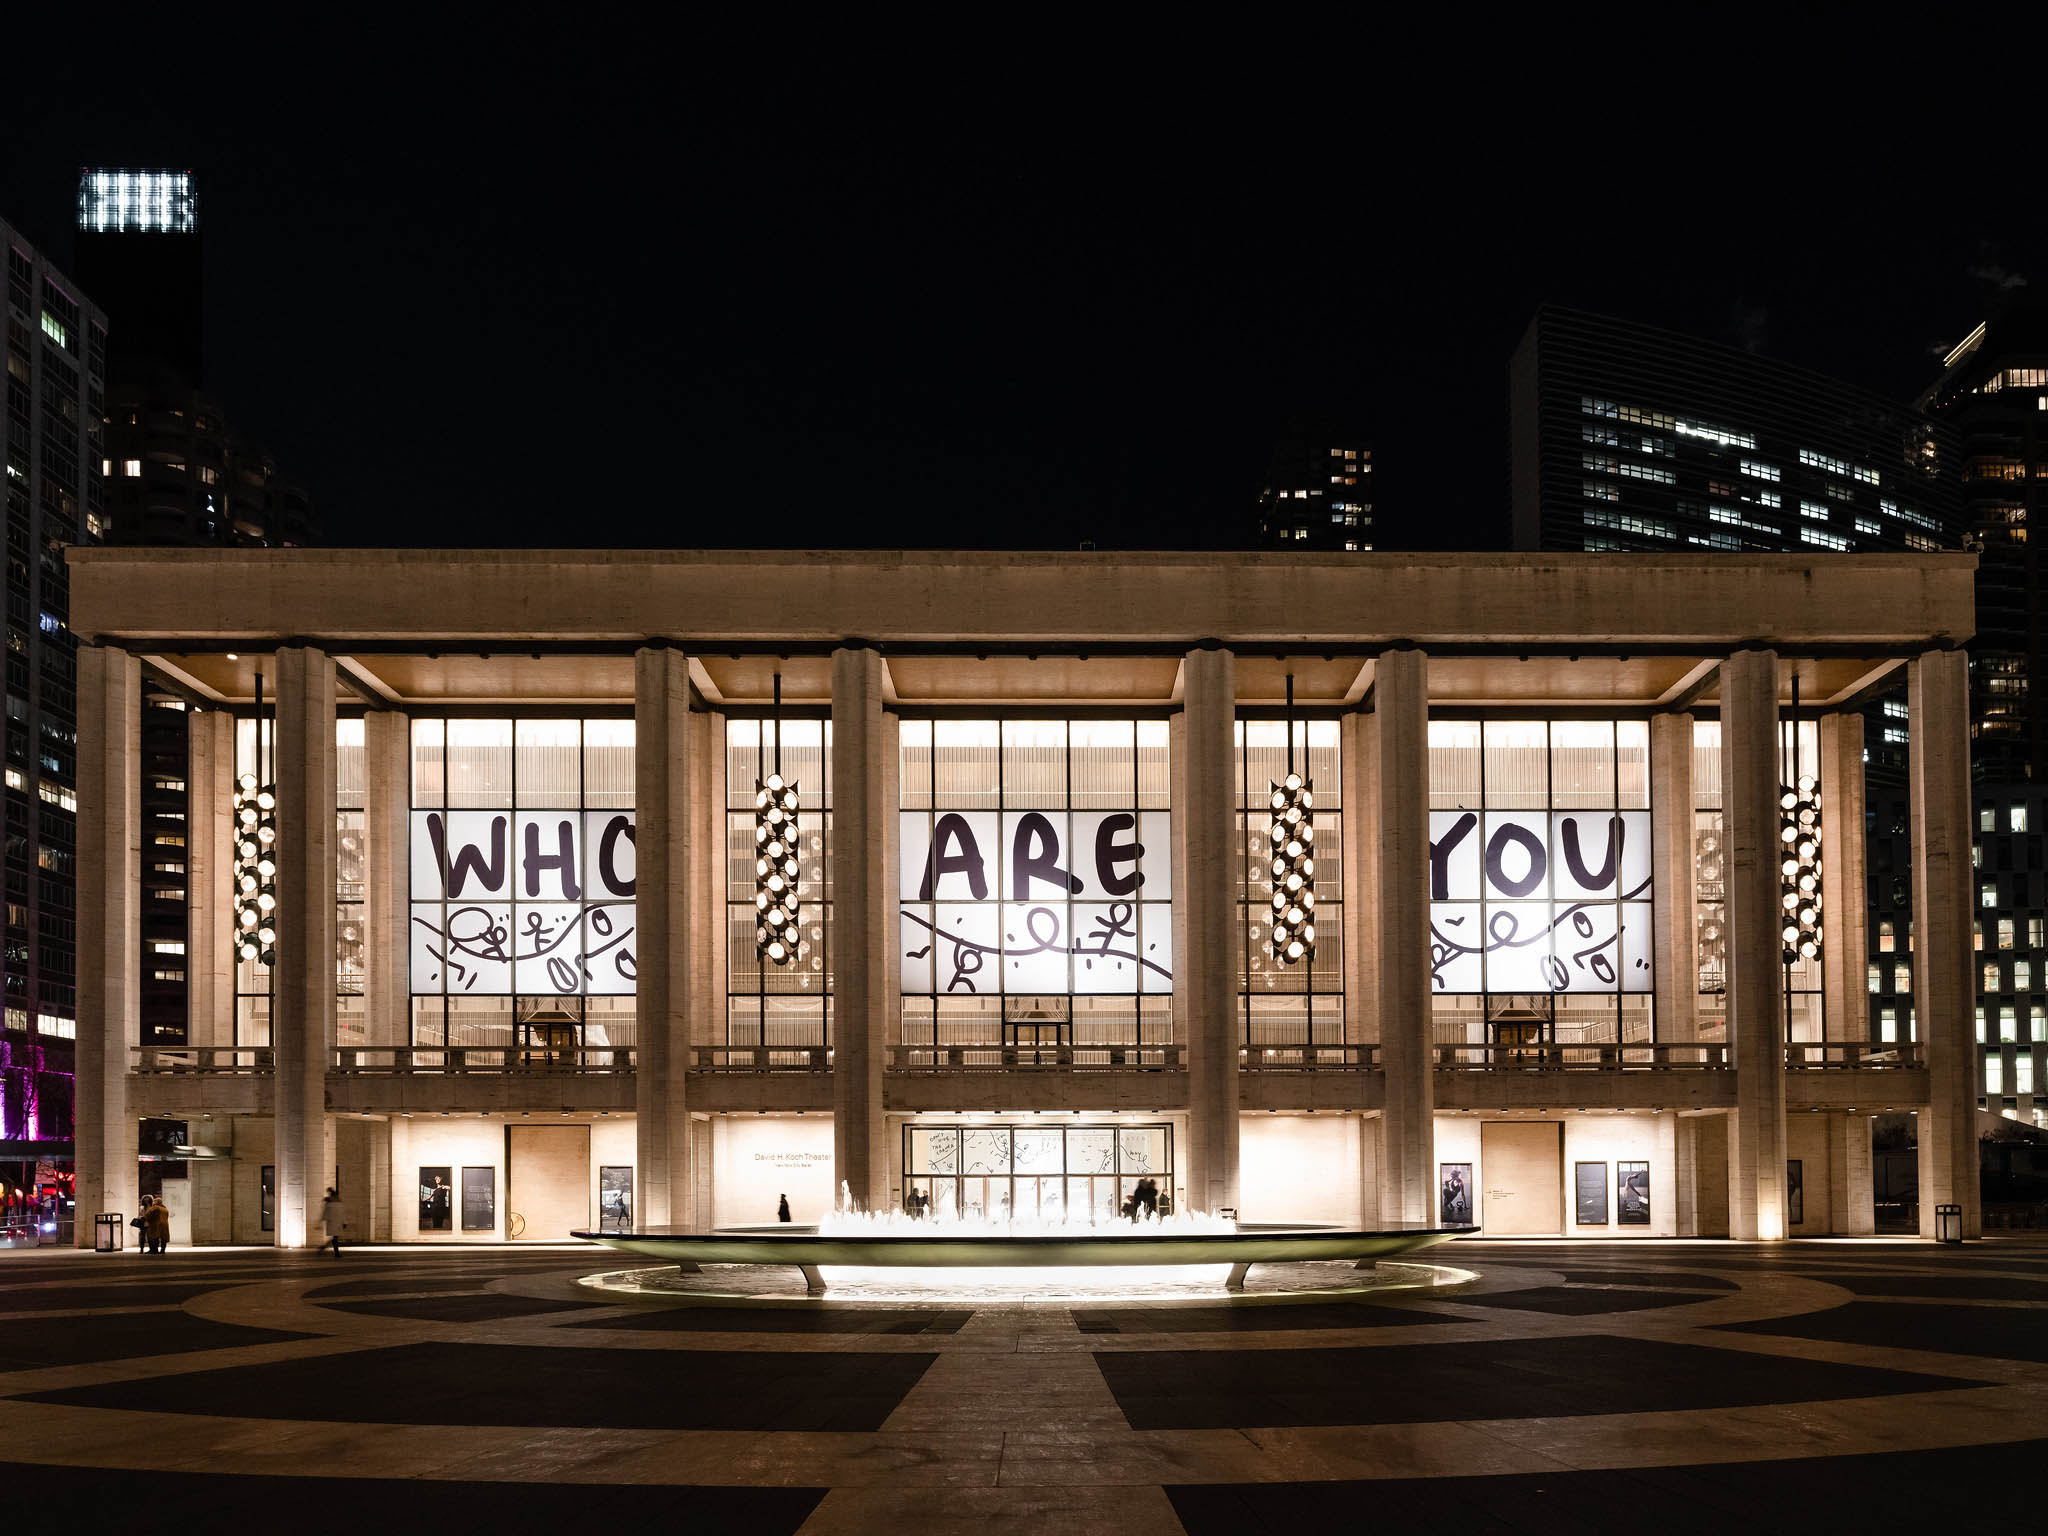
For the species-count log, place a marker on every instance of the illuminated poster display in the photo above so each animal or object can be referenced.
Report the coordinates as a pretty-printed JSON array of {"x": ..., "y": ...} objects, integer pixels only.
[
  {"x": 534, "y": 902},
  {"x": 1539, "y": 901}
]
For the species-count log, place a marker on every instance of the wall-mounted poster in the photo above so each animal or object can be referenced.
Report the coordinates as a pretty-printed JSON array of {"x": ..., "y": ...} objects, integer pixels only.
[
  {"x": 1632, "y": 1185},
  {"x": 479, "y": 1199},
  {"x": 437, "y": 1200},
  {"x": 266, "y": 1199},
  {"x": 1795, "y": 1193},
  {"x": 1592, "y": 1193},
  {"x": 1456, "y": 1206},
  {"x": 614, "y": 1199}
]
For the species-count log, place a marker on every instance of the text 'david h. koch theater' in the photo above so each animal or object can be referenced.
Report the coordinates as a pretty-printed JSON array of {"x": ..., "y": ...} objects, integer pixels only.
[{"x": 532, "y": 891}]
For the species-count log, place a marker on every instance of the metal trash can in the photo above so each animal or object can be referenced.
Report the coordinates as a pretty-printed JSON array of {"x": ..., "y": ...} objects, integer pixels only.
[
  {"x": 109, "y": 1232},
  {"x": 1948, "y": 1224}
]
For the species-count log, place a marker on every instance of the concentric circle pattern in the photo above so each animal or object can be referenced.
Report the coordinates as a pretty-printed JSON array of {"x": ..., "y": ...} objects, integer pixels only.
[{"x": 1645, "y": 1386}]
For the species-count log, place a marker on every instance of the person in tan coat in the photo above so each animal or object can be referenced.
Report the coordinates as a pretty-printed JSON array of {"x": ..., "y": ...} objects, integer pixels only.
[{"x": 156, "y": 1228}]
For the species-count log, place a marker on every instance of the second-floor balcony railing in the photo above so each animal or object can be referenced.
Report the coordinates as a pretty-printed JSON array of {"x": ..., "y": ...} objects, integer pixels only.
[
  {"x": 1606, "y": 1056},
  {"x": 1841, "y": 1055},
  {"x": 1309, "y": 1058},
  {"x": 390, "y": 1060},
  {"x": 237, "y": 1060},
  {"x": 1028, "y": 1058}
]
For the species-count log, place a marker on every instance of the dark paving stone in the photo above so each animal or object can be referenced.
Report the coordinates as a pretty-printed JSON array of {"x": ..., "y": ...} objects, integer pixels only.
[
  {"x": 1248, "y": 1319},
  {"x": 81, "y": 1340},
  {"x": 2000, "y": 1333},
  {"x": 1558, "y": 1300},
  {"x": 688, "y": 1319},
  {"x": 1648, "y": 1277},
  {"x": 224, "y": 1504},
  {"x": 485, "y": 1308},
  {"x": 74, "y": 1298},
  {"x": 1511, "y": 1378},
  {"x": 1894, "y": 1491},
  {"x": 539, "y": 1388},
  {"x": 1952, "y": 1287},
  {"x": 385, "y": 1285}
]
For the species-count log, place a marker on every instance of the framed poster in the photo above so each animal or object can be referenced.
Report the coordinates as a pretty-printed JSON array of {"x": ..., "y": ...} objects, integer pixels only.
[
  {"x": 479, "y": 1199},
  {"x": 1591, "y": 1184},
  {"x": 1632, "y": 1188},
  {"x": 614, "y": 1199},
  {"x": 437, "y": 1200},
  {"x": 1795, "y": 1192},
  {"x": 1456, "y": 1205},
  {"x": 266, "y": 1199}
]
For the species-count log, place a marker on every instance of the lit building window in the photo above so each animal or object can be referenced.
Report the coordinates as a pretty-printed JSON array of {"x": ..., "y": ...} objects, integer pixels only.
[
  {"x": 1994, "y": 1074},
  {"x": 54, "y": 329},
  {"x": 2023, "y": 1072},
  {"x": 2018, "y": 816},
  {"x": 140, "y": 201},
  {"x": 132, "y": 468},
  {"x": 1987, "y": 894}
]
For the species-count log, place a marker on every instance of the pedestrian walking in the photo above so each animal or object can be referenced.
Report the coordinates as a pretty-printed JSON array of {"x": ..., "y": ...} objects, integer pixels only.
[
  {"x": 158, "y": 1230},
  {"x": 332, "y": 1219},
  {"x": 782, "y": 1209}
]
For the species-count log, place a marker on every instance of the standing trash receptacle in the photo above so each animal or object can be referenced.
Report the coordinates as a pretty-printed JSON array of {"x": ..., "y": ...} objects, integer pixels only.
[
  {"x": 1948, "y": 1224},
  {"x": 109, "y": 1232}
]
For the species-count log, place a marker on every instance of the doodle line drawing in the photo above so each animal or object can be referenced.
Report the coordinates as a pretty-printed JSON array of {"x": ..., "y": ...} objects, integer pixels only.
[
  {"x": 1443, "y": 948},
  {"x": 475, "y": 933},
  {"x": 969, "y": 956}
]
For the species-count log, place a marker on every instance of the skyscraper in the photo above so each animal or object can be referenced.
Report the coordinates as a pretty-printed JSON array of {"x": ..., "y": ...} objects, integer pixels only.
[
  {"x": 139, "y": 253},
  {"x": 55, "y": 342},
  {"x": 1318, "y": 491}
]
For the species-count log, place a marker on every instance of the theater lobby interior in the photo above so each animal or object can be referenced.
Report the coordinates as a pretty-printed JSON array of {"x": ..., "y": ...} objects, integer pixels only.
[{"x": 1700, "y": 1386}]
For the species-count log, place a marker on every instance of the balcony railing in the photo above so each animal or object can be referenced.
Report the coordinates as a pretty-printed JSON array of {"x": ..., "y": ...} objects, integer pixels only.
[
  {"x": 1309, "y": 1058},
  {"x": 1605, "y": 1057},
  {"x": 761, "y": 1058},
  {"x": 1027, "y": 1058},
  {"x": 240, "y": 1060},
  {"x": 398, "y": 1060},
  {"x": 1840, "y": 1055}
]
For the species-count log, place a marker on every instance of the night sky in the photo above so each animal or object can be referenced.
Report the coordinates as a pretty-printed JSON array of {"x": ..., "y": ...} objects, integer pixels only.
[{"x": 673, "y": 291}]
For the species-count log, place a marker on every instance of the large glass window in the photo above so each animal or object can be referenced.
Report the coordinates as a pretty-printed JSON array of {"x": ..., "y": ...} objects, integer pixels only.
[
  {"x": 767, "y": 1004},
  {"x": 1286, "y": 1009},
  {"x": 523, "y": 883},
  {"x": 1053, "y": 1173},
  {"x": 1036, "y": 884},
  {"x": 1539, "y": 874}
]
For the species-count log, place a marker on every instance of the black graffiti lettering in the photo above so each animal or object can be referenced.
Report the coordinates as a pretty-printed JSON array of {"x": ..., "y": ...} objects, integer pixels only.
[
  {"x": 468, "y": 859},
  {"x": 1109, "y": 853},
  {"x": 952, "y": 828},
  {"x": 565, "y": 860},
  {"x": 1575, "y": 861},
  {"x": 1440, "y": 856},
  {"x": 608, "y": 853},
  {"x": 1496, "y": 847},
  {"x": 1035, "y": 855}
]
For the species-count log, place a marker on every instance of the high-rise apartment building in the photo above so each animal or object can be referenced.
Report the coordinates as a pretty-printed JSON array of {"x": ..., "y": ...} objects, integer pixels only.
[
  {"x": 55, "y": 341},
  {"x": 140, "y": 255},
  {"x": 1318, "y": 492}
]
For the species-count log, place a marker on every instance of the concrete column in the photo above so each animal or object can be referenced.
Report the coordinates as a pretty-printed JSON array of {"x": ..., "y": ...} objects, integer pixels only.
[
  {"x": 209, "y": 879},
  {"x": 302, "y": 1024},
  {"x": 1944, "y": 990},
  {"x": 1209, "y": 897},
  {"x": 708, "y": 937},
  {"x": 662, "y": 772},
  {"x": 387, "y": 806},
  {"x": 1851, "y": 1193},
  {"x": 1398, "y": 767},
  {"x": 864, "y": 923},
  {"x": 1675, "y": 937},
  {"x": 1369, "y": 1173},
  {"x": 1756, "y": 970},
  {"x": 1686, "y": 1160},
  {"x": 109, "y": 930},
  {"x": 1844, "y": 893},
  {"x": 1361, "y": 896}
]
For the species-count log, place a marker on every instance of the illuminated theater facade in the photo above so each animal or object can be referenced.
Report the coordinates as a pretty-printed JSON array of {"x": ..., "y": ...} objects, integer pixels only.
[{"x": 536, "y": 891}]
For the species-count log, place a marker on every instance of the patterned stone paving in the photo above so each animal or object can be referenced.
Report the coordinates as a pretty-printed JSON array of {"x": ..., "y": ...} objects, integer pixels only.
[{"x": 1589, "y": 1387}]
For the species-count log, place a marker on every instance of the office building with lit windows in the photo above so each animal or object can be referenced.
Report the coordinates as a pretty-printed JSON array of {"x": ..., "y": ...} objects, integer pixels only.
[
  {"x": 1318, "y": 492},
  {"x": 536, "y": 889},
  {"x": 50, "y": 440}
]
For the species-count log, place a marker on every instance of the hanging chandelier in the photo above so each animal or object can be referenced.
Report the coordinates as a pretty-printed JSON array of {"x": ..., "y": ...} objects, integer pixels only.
[
  {"x": 255, "y": 833},
  {"x": 1292, "y": 839},
  {"x": 776, "y": 938},
  {"x": 1799, "y": 855}
]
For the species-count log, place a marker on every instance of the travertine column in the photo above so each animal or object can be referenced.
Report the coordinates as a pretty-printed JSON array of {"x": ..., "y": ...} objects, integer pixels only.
[
  {"x": 1398, "y": 743},
  {"x": 864, "y": 924},
  {"x": 1844, "y": 897},
  {"x": 1756, "y": 970},
  {"x": 302, "y": 1021},
  {"x": 1944, "y": 991},
  {"x": 1675, "y": 930},
  {"x": 662, "y": 925},
  {"x": 1361, "y": 902},
  {"x": 387, "y": 806},
  {"x": 709, "y": 937},
  {"x": 1851, "y": 1192},
  {"x": 1208, "y": 896},
  {"x": 209, "y": 879},
  {"x": 109, "y": 930},
  {"x": 1686, "y": 1158}
]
